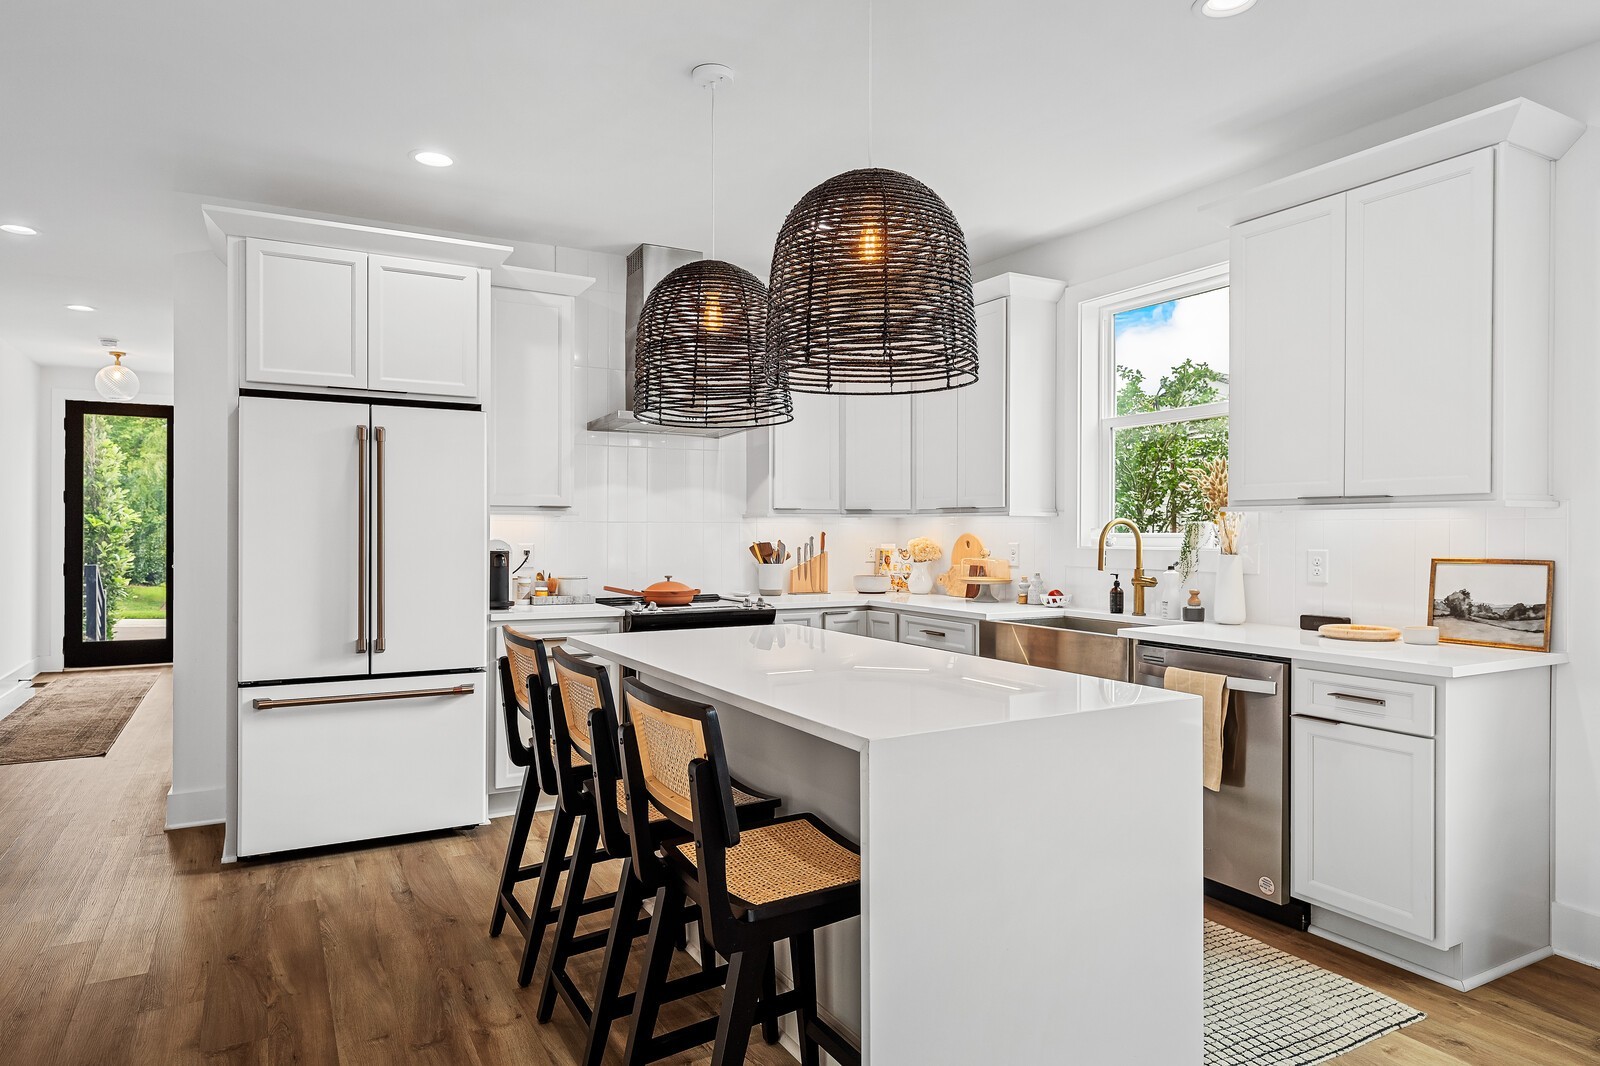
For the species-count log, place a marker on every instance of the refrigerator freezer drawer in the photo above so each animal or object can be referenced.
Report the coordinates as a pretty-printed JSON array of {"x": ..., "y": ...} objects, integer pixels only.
[{"x": 356, "y": 760}]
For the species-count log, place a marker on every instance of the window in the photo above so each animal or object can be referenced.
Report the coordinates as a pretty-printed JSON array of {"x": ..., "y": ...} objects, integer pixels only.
[{"x": 1161, "y": 389}]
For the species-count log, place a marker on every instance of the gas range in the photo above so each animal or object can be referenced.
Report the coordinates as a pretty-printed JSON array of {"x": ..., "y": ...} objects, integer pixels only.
[{"x": 708, "y": 611}]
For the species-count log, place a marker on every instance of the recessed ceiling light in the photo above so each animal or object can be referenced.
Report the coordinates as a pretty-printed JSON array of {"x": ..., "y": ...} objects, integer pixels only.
[
  {"x": 1221, "y": 9},
  {"x": 19, "y": 230},
  {"x": 79, "y": 307},
  {"x": 432, "y": 159}
]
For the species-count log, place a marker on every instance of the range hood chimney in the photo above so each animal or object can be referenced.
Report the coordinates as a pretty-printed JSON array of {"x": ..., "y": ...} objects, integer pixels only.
[{"x": 647, "y": 265}]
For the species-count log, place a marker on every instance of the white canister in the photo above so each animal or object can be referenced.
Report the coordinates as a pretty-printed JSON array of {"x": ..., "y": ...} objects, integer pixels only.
[{"x": 772, "y": 578}]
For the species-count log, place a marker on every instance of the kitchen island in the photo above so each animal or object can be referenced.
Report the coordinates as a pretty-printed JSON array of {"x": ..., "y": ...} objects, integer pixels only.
[{"x": 1031, "y": 840}]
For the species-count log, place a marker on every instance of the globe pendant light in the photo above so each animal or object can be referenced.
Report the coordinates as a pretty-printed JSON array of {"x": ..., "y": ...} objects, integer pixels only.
[
  {"x": 701, "y": 359},
  {"x": 872, "y": 286},
  {"x": 116, "y": 382}
]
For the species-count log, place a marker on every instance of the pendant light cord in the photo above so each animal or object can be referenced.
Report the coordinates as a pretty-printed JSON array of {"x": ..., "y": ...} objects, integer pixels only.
[
  {"x": 869, "y": 83},
  {"x": 713, "y": 170}
]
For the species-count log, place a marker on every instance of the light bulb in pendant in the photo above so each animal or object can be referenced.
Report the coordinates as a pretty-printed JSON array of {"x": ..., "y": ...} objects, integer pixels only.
[
  {"x": 711, "y": 315},
  {"x": 869, "y": 248},
  {"x": 116, "y": 382}
]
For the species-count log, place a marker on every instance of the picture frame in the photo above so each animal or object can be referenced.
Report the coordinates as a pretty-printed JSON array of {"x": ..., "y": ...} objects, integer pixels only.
[{"x": 1492, "y": 603}]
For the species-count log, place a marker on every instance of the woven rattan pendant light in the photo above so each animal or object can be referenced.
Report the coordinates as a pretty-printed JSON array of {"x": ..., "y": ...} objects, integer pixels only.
[
  {"x": 872, "y": 286},
  {"x": 701, "y": 358}
]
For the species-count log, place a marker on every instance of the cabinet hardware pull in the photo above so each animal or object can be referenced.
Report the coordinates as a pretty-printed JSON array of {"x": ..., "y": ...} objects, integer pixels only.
[
  {"x": 1375, "y": 701},
  {"x": 383, "y": 553},
  {"x": 360, "y": 697},
  {"x": 361, "y": 538},
  {"x": 933, "y": 632},
  {"x": 1235, "y": 684}
]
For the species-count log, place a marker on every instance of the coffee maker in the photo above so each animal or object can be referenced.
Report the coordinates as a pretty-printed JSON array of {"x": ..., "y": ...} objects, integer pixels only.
[{"x": 499, "y": 578}]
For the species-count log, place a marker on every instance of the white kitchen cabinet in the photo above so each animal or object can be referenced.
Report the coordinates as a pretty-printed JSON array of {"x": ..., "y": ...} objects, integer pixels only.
[
  {"x": 1363, "y": 817},
  {"x": 875, "y": 447},
  {"x": 429, "y": 586},
  {"x": 1419, "y": 331},
  {"x": 805, "y": 456},
  {"x": 883, "y": 625},
  {"x": 305, "y": 315},
  {"x": 852, "y": 620},
  {"x": 981, "y": 415},
  {"x": 945, "y": 634},
  {"x": 1391, "y": 321},
  {"x": 343, "y": 319},
  {"x": 427, "y": 326},
  {"x": 555, "y": 632},
  {"x": 1286, "y": 389},
  {"x": 530, "y": 400},
  {"x": 936, "y": 455},
  {"x": 404, "y": 759}
]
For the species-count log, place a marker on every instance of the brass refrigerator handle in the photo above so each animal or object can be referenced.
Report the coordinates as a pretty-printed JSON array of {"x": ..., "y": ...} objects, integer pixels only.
[
  {"x": 360, "y": 697},
  {"x": 361, "y": 538},
  {"x": 382, "y": 577}
]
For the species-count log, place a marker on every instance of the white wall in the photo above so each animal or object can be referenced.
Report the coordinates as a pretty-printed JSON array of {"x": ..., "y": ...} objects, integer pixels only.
[
  {"x": 1380, "y": 558},
  {"x": 20, "y": 643}
]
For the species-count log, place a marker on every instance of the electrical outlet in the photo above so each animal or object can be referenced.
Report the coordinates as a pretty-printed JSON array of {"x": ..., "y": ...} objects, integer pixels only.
[
  {"x": 1317, "y": 566},
  {"x": 871, "y": 556},
  {"x": 1014, "y": 553},
  {"x": 523, "y": 557}
]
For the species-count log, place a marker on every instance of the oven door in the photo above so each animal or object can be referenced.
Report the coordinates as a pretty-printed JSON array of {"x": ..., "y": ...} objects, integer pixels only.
[
  {"x": 689, "y": 618},
  {"x": 1247, "y": 822}
]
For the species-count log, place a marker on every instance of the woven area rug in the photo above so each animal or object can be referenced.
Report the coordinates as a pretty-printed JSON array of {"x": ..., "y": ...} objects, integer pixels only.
[
  {"x": 73, "y": 717},
  {"x": 1265, "y": 1007}
]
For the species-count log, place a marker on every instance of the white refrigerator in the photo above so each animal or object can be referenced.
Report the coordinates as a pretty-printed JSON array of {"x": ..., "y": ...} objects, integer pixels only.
[{"x": 363, "y": 591}]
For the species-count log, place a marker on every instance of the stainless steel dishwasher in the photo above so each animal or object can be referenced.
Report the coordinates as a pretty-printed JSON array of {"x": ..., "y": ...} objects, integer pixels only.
[{"x": 1247, "y": 822}]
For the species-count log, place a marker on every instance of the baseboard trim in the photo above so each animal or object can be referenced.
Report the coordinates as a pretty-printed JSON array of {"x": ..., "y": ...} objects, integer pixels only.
[
  {"x": 1575, "y": 933},
  {"x": 16, "y": 686},
  {"x": 199, "y": 806}
]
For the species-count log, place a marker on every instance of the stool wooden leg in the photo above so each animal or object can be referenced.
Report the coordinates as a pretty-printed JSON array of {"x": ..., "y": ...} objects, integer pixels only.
[
  {"x": 624, "y": 916},
  {"x": 665, "y": 925},
  {"x": 769, "y": 994},
  {"x": 521, "y": 822},
  {"x": 803, "y": 961},
  {"x": 746, "y": 971},
  {"x": 571, "y": 907},
  {"x": 555, "y": 852}
]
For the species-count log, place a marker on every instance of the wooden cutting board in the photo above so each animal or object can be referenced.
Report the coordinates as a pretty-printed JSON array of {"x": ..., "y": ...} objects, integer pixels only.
[
  {"x": 966, "y": 547},
  {"x": 1345, "y": 631}
]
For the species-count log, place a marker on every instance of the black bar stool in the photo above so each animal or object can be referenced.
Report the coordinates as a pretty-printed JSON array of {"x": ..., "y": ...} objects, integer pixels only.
[
  {"x": 753, "y": 886},
  {"x": 526, "y": 693},
  {"x": 601, "y": 810}
]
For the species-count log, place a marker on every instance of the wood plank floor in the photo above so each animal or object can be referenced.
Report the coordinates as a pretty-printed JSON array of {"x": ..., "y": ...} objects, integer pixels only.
[{"x": 122, "y": 943}]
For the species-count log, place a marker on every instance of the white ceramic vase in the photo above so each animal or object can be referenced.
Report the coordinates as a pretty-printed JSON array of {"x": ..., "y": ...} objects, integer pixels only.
[
  {"x": 920, "y": 582},
  {"x": 1228, "y": 605}
]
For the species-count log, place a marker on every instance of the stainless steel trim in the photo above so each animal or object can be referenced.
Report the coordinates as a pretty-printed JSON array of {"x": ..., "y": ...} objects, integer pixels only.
[
  {"x": 361, "y": 538},
  {"x": 380, "y": 507},
  {"x": 1235, "y": 684},
  {"x": 1375, "y": 701},
  {"x": 360, "y": 697}
]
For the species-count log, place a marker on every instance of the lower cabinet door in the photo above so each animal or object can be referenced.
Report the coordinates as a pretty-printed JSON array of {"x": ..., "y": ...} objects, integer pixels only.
[
  {"x": 799, "y": 618},
  {"x": 851, "y": 621},
  {"x": 1363, "y": 820},
  {"x": 884, "y": 625},
  {"x": 356, "y": 760}
]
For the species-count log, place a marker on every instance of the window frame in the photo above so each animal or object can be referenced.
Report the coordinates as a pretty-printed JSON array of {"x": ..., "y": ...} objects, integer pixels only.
[{"x": 1098, "y": 391}]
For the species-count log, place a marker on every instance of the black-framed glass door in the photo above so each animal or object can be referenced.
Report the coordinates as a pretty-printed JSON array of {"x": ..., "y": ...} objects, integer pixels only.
[{"x": 118, "y": 534}]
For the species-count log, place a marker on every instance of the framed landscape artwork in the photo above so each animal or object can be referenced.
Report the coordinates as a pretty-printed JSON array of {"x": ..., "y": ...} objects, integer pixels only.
[{"x": 1496, "y": 603}]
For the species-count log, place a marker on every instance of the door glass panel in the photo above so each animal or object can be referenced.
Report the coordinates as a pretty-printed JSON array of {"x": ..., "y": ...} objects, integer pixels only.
[{"x": 124, "y": 562}]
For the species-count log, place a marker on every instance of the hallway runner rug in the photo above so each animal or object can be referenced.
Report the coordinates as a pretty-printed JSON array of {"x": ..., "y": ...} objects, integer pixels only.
[
  {"x": 1264, "y": 1007},
  {"x": 73, "y": 717}
]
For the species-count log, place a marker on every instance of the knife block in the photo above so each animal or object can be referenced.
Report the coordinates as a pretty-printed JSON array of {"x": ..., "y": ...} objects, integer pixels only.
[{"x": 810, "y": 576}]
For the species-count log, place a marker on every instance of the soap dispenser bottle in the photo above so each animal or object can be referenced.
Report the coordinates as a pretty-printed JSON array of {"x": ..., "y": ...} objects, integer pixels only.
[{"x": 1116, "y": 594}]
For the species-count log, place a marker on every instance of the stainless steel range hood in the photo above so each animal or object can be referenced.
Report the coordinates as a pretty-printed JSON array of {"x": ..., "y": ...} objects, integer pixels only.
[{"x": 647, "y": 264}]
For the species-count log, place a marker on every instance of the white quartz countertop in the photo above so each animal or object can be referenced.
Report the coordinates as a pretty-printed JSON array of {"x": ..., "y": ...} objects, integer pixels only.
[
  {"x": 558, "y": 612},
  {"x": 853, "y": 690},
  {"x": 943, "y": 606},
  {"x": 1441, "y": 660}
]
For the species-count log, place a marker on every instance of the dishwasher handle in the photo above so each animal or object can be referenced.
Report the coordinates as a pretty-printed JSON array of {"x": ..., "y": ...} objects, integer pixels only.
[{"x": 1235, "y": 684}]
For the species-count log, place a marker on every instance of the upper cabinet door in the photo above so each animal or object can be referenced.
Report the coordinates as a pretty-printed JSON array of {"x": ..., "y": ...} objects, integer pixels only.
[
  {"x": 877, "y": 453},
  {"x": 428, "y": 324},
  {"x": 805, "y": 456},
  {"x": 430, "y": 589},
  {"x": 305, "y": 312},
  {"x": 1287, "y": 348},
  {"x": 936, "y": 448},
  {"x": 1419, "y": 331},
  {"x": 530, "y": 400},
  {"x": 981, "y": 414}
]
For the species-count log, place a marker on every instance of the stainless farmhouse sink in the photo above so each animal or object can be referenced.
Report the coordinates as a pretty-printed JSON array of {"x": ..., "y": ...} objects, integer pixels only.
[{"x": 1069, "y": 642}]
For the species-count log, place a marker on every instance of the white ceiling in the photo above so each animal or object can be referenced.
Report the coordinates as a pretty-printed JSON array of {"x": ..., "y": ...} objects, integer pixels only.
[{"x": 576, "y": 123}]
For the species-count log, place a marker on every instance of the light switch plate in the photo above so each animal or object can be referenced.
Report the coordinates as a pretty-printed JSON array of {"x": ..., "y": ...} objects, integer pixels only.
[{"x": 1317, "y": 566}]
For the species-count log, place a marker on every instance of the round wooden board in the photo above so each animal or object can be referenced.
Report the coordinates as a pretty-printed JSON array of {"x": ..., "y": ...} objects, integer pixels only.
[{"x": 1342, "y": 631}]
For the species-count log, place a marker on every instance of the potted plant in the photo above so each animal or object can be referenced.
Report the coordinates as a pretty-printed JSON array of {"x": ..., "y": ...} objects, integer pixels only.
[{"x": 1228, "y": 604}]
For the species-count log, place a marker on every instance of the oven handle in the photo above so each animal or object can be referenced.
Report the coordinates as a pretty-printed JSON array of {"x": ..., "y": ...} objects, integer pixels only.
[{"x": 1235, "y": 684}]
